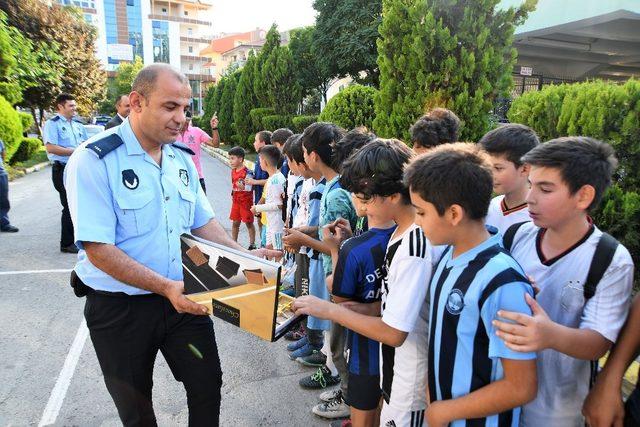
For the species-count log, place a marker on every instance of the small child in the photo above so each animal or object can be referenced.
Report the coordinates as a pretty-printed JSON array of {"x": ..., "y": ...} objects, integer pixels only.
[
  {"x": 278, "y": 138},
  {"x": 576, "y": 318},
  {"x": 269, "y": 160},
  {"x": 506, "y": 145},
  {"x": 472, "y": 374},
  {"x": 438, "y": 126},
  {"x": 259, "y": 179},
  {"x": 242, "y": 196}
]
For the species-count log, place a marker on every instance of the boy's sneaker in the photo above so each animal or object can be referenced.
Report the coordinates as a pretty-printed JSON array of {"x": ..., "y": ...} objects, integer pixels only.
[
  {"x": 252, "y": 247},
  {"x": 341, "y": 423},
  {"x": 321, "y": 379},
  {"x": 316, "y": 358},
  {"x": 337, "y": 408},
  {"x": 295, "y": 334},
  {"x": 303, "y": 351},
  {"x": 298, "y": 344},
  {"x": 329, "y": 395}
]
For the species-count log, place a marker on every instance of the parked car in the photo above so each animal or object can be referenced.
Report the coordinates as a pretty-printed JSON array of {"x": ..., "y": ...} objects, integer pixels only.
[
  {"x": 93, "y": 129},
  {"x": 101, "y": 120}
]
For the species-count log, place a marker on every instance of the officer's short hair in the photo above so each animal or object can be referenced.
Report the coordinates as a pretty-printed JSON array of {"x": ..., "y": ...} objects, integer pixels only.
[
  {"x": 144, "y": 83},
  {"x": 64, "y": 97},
  {"x": 119, "y": 100}
]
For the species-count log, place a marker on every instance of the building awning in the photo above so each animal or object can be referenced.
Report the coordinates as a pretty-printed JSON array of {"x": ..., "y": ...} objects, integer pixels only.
[{"x": 605, "y": 46}]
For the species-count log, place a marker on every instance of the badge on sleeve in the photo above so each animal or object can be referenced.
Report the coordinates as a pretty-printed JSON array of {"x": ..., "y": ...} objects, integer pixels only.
[
  {"x": 130, "y": 179},
  {"x": 184, "y": 177}
]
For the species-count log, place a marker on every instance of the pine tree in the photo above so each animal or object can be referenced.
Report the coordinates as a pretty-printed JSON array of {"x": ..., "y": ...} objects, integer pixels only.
[
  {"x": 261, "y": 86},
  {"x": 282, "y": 83},
  {"x": 455, "y": 54},
  {"x": 226, "y": 107},
  {"x": 245, "y": 100}
]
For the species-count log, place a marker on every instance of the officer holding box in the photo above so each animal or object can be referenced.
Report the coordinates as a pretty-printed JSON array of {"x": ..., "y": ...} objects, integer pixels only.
[{"x": 132, "y": 193}]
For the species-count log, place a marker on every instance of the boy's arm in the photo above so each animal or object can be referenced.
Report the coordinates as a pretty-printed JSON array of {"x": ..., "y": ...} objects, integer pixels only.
[
  {"x": 296, "y": 239},
  {"x": 603, "y": 406},
  {"x": 369, "y": 326},
  {"x": 518, "y": 386}
]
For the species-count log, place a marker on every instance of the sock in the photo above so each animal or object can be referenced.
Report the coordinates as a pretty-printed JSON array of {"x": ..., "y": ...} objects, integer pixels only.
[{"x": 326, "y": 349}]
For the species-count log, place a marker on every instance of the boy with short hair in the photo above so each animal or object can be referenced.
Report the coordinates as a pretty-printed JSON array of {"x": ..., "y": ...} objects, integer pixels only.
[
  {"x": 260, "y": 177},
  {"x": 576, "y": 318},
  {"x": 402, "y": 329},
  {"x": 506, "y": 145},
  {"x": 294, "y": 181},
  {"x": 241, "y": 195},
  {"x": 269, "y": 160},
  {"x": 473, "y": 375},
  {"x": 278, "y": 138},
  {"x": 438, "y": 126}
]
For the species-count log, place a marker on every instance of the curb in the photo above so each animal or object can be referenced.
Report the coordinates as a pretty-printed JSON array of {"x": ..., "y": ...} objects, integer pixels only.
[
  {"x": 222, "y": 155},
  {"x": 19, "y": 173}
]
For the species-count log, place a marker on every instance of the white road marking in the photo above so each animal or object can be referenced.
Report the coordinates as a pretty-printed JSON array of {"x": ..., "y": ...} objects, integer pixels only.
[
  {"x": 59, "y": 391},
  {"x": 11, "y": 273}
]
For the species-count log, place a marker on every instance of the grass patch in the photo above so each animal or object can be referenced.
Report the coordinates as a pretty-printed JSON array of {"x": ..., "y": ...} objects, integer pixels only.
[{"x": 17, "y": 170}]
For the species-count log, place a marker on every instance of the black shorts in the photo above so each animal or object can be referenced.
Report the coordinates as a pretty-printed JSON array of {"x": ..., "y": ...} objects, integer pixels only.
[{"x": 364, "y": 392}]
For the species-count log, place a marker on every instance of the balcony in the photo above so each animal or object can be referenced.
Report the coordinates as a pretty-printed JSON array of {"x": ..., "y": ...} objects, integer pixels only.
[
  {"x": 180, "y": 19},
  {"x": 205, "y": 78},
  {"x": 194, "y": 58},
  {"x": 194, "y": 39}
]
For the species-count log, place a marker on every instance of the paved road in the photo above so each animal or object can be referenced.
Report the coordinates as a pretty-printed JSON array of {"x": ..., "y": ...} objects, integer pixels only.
[{"x": 40, "y": 321}]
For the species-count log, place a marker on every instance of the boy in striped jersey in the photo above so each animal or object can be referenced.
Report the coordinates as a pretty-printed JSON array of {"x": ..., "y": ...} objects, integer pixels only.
[
  {"x": 400, "y": 324},
  {"x": 474, "y": 378},
  {"x": 506, "y": 145}
]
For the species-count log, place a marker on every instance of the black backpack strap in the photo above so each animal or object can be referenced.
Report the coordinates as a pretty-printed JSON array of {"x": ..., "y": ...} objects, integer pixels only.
[
  {"x": 510, "y": 234},
  {"x": 606, "y": 248}
]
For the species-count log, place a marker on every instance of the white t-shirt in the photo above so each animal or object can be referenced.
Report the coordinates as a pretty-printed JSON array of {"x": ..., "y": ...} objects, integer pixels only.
[
  {"x": 403, "y": 370},
  {"x": 272, "y": 202},
  {"x": 563, "y": 381},
  {"x": 502, "y": 217},
  {"x": 292, "y": 180}
]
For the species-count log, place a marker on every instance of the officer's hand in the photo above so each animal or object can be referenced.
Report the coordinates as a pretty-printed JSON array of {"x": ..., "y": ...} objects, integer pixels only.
[{"x": 175, "y": 294}]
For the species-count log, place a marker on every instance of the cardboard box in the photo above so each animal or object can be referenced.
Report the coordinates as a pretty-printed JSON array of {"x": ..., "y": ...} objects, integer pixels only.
[{"x": 237, "y": 287}]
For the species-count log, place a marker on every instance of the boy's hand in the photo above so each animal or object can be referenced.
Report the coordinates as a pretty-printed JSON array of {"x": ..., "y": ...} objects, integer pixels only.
[
  {"x": 292, "y": 238},
  {"x": 333, "y": 236},
  {"x": 435, "y": 417},
  {"x": 214, "y": 122},
  {"x": 250, "y": 181},
  {"x": 530, "y": 333},
  {"x": 266, "y": 253},
  {"x": 253, "y": 210},
  {"x": 603, "y": 406},
  {"x": 313, "y": 306}
]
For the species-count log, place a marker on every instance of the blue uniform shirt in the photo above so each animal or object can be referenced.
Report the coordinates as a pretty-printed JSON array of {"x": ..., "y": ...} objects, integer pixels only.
[
  {"x": 127, "y": 200},
  {"x": 65, "y": 133},
  {"x": 358, "y": 277},
  {"x": 258, "y": 173}
]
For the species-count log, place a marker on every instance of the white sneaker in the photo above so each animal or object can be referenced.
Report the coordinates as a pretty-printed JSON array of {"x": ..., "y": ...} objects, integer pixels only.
[
  {"x": 336, "y": 408},
  {"x": 329, "y": 395}
]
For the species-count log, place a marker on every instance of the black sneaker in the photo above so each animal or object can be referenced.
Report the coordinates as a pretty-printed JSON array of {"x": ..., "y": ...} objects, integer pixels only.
[
  {"x": 252, "y": 247},
  {"x": 317, "y": 358},
  {"x": 321, "y": 379},
  {"x": 71, "y": 249},
  {"x": 9, "y": 229}
]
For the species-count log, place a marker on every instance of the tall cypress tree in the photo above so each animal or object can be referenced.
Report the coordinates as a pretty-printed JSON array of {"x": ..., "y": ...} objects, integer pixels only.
[
  {"x": 281, "y": 81},
  {"x": 226, "y": 107},
  {"x": 449, "y": 53},
  {"x": 245, "y": 100},
  {"x": 261, "y": 85}
]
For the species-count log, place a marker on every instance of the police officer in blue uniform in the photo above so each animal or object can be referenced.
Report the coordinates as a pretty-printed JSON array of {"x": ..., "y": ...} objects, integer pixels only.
[
  {"x": 62, "y": 134},
  {"x": 132, "y": 193}
]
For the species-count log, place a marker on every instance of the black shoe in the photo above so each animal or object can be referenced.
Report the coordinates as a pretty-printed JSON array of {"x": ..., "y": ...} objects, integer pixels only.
[
  {"x": 321, "y": 379},
  {"x": 9, "y": 229},
  {"x": 71, "y": 249},
  {"x": 252, "y": 247}
]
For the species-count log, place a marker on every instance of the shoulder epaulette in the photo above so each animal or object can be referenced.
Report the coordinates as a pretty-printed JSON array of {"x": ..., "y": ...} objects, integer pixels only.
[
  {"x": 183, "y": 148},
  {"x": 55, "y": 118},
  {"x": 105, "y": 145}
]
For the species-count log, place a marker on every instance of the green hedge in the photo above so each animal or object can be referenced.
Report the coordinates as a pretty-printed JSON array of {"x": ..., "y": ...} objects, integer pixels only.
[
  {"x": 257, "y": 114},
  {"x": 606, "y": 111},
  {"x": 27, "y": 149},
  {"x": 275, "y": 121},
  {"x": 350, "y": 108},
  {"x": 26, "y": 120},
  {"x": 10, "y": 127},
  {"x": 300, "y": 123}
]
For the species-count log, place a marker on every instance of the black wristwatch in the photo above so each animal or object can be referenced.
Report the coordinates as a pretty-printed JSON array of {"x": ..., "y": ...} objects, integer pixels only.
[{"x": 214, "y": 128}]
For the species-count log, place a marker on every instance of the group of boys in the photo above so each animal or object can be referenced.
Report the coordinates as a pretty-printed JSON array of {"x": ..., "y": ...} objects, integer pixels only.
[{"x": 432, "y": 302}]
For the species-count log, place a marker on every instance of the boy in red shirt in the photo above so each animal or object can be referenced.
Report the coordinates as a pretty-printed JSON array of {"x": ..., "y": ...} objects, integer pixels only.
[{"x": 242, "y": 196}]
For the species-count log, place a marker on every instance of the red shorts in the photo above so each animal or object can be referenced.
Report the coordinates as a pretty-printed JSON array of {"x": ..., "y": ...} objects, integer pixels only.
[{"x": 241, "y": 211}]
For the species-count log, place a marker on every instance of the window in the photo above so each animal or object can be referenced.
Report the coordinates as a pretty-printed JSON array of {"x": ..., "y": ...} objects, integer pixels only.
[
  {"x": 164, "y": 10},
  {"x": 190, "y": 31},
  {"x": 190, "y": 49},
  {"x": 190, "y": 67},
  {"x": 186, "y": 13}
]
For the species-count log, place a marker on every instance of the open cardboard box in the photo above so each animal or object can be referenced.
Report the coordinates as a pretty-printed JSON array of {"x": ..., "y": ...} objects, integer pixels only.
[{"x": 237, "y": 287}]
